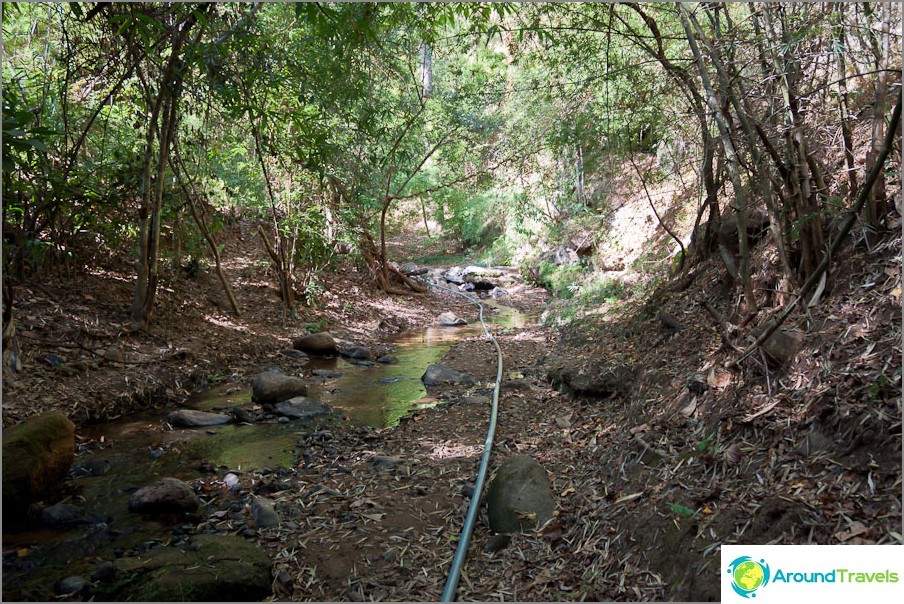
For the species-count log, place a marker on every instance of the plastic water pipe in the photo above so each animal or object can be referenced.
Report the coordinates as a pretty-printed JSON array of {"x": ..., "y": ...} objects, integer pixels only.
[{"x": 464, "y": 540}]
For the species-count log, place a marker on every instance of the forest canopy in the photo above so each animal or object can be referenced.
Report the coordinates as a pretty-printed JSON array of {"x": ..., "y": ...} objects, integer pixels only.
[{"x": 145, "y": 125}]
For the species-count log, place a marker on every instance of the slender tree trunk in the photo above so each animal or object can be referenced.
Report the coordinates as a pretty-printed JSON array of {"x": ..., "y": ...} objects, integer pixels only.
[
  {"x": 732, "y": 162},
  {"x": 877, "y": 206},
  {"x": 840, "y": 48}
]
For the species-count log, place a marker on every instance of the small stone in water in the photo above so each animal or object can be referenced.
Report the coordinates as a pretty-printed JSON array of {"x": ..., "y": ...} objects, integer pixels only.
[{"x": 232, "y": 481}]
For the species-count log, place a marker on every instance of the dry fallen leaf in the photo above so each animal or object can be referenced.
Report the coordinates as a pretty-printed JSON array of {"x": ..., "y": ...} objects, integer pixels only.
[
  {"x": 718, "y": 378},
  {"x": 856, "y": 529}
]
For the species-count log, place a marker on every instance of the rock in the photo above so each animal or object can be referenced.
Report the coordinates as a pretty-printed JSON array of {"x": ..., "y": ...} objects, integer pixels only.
[
  {"x": 361, "y": 363},
  {"x": 302, "y": 407},
  {"x": 450, "y": 319},
  {"x": 326, "y": 373},
  {"x": 498, "y": 292},
  {"x": 561, "y": 256},
  {"x": 467, "y": 287},
  {"x": 356, "y": 352},
  {"x": 210, "y": 568},
  {"x": 594, "y": 378},
  {"x": 455, "y": 275},
  {"x": 782, "y": 346},
  {"x": 438, "y": 374},
  {"x": 243, "y": 416},
  {"x": 114, "y": 354},
  {"x": 387, "y": 359},
  {"x": 519, "y": 498},
  {"x": 64, "y": 516},
  {"x": 192, "y": 418},
  {"x": 390, "y": 379},
  {"x": 411, "y": 269},
  {"x": 385, "y": 462},
  {"x": 72, "y": 586},
  {"x": 105, "y": 572},
  {"x": 316, "y": 343},
  {"x": 297, "y": 355},
  {"x": 166, "y": 496},
  {"x": 37, "y": 455},
  {"x": 497, "y": 543},
  {"x": 271, "y": 388},
  {"x": 263, "y": 511}
]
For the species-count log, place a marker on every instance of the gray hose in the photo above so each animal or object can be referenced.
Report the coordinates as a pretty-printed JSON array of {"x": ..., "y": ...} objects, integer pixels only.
[{"x": 461, "y": 551}]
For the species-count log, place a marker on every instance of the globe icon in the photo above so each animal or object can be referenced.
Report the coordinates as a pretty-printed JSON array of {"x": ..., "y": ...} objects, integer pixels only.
[{"x": 748, "y": 575}]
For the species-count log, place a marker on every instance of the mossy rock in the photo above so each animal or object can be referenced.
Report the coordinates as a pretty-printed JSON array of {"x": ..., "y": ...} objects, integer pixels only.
[
  {"x": 519, "y": 498},
  {"x": 37, "y": 455},
  {"x": 211, "y": 568}
]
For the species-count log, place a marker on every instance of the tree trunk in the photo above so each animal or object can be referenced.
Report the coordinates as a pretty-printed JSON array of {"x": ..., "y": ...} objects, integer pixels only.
[
  {"x": 877, "y": 205},
  {"x": 732, "y": 162}
]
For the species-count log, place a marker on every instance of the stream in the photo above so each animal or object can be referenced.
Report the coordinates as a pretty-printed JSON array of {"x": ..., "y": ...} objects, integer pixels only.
[{"x": 119, "y": 456}]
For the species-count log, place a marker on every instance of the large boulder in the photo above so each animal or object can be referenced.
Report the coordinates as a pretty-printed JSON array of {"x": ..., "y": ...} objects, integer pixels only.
[
  {"x": 166, "y": 496},
  {"x": 211, "y": 568},
  {"x": 302, "y": 407},
  {"x": 519, "y": 498},
  {"x": 192, "y": 418},
  {"x": 440, "y": 374},
  {"x": 316, "y": 343},
  {"x": 271, "y": 388},
  {"x": 37, "y": 455}
]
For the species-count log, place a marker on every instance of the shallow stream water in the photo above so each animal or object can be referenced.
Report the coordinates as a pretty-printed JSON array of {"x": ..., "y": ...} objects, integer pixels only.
[{"x": 135, "y": 451}]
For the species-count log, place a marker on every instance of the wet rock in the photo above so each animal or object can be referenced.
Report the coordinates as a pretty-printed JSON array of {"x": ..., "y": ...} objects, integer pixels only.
[
  {"x": 64, "y": 516},
  {"x": 356, "y": 352},
  {"x": 296, "y": 355},
  {"x": 243, "y": 416},
  {"x": 438, "y": 374},
  {"x": 302, "y": 407},
  {"x": 166, "y": 496},
  {"x": 37, "y": 455},
  {"x": 321, "y": 343},
  {"x": 271, "y": 388},
  {"x": 361, "y": 362},
  {"x": 519, "y": 497},
  {"x": 72, "y": 587},
  {"x": 385, "y": 462},
  {"x": 192, "y": 418},
  {"x": 387, "y": 360},
  {"x": 326, "y": 373},
  {"x": 450, "y": 319},
  {"x": 594, "y": 378},
  {"x": 210, "y": 568},
  {"x": 263, "y": 511},
  {"x": 389, "y": 379}
]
